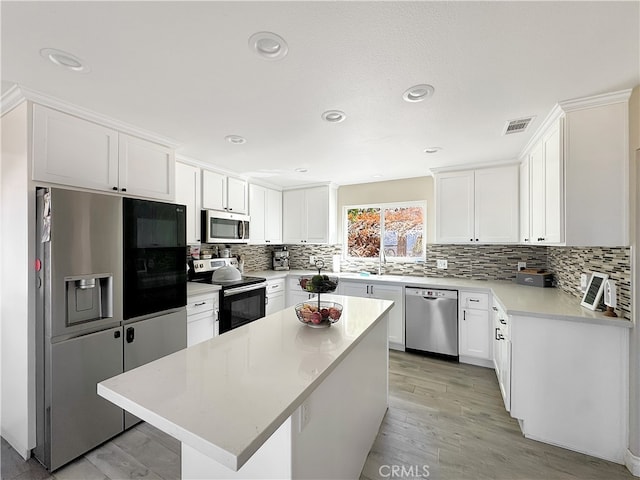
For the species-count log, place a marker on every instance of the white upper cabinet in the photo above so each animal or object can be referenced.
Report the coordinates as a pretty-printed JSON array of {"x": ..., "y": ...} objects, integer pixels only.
[
  {"x": 188, "y": 193},
  {"x": 578, "y": 165},
  {"x": 72, "y": 151},
  {"x": 525, "y": 189},
  {"x": 220, "y": 192},
  {"x": 309, "y": 215},
  {"x": 265, "y": 209},
  {"x": 145, "y": 169},
  {"x": 237, "y": 195},
  {"x": 478, "y": 206},
  {"x": 455, "y": 207},
  {"x": 496, "y": 205},
  {"x": 273, "y": 216},
  {"x": 294, "y": 221},
  {"x": 214, "y": 190},
  {"x": 545, "y": 197},
  {"x": 596, "y": 148}
]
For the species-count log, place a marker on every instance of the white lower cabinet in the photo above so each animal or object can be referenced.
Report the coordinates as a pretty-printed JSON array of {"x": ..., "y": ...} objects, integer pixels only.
[
  {"x": 202, "y": 317},
  {"x": 502, "y": 352},
  {"x": 569, "y": 383},
  {"x": 275, "y": 296},
  {"x": 382, "y": 292},
  {"x": 295, "y": 294},
  {"x": 474, "y": 328}
]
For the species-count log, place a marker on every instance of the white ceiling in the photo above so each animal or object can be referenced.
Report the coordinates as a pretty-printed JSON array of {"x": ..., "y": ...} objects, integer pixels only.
[{"x": 185, "y": 71}]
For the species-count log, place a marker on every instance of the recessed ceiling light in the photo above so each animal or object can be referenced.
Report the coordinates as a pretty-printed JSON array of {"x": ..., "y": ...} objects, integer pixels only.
[
  {"x": 432, "y": 149},
  {"x": 269, "y": 45},
  {"x": 417, "y": 93},
  {"x": 64, "y": 59},
  {"x": 301, "y": 170},
  {"x": 235, "y": 139},
  {"x": 334, "y": 116}
]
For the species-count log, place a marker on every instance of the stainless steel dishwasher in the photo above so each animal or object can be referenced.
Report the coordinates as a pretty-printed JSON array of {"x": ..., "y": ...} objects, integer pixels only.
[{"x": 431, "y": 321}]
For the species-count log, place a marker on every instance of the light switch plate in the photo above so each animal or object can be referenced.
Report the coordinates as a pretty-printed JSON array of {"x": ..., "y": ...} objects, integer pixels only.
[
  {"x": 312, "y": 259},
  {"x": 522, "y": 265}
]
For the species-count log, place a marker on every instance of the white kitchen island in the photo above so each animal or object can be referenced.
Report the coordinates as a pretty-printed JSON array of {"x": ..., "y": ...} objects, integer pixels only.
[{"x": 272, "y": 399}]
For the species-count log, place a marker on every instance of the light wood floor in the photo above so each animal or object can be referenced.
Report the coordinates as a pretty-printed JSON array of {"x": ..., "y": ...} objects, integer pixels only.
[{"x": 445, "y": 420}]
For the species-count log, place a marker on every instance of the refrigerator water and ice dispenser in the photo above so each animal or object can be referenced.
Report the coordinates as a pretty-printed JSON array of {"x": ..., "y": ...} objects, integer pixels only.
[{"x": 88, "y": 298}]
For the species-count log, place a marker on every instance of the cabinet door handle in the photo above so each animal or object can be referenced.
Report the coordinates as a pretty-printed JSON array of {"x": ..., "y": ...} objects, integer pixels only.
[
  {"x": 123, "y": 189},
  {"x": 131, "y": 334},
  {"x": 471, "y": 239},
  {"x": 464, "y": 315},
  {"x": 198, "y": 304},
  {"x": 116, "y": 334},
  {"x": 115, "y": 188},
  {"x": 477, "y": 240},
  {"x": 526, "y": 239},
  {"x": 496, "y": 334},
  {"x": 371, "y": 289},
  {"x": 495, "y": 309},
  {"x": 503, "y": 321},
  {"x": 474, "y": 300},
  {"x": 367, "y": 289}
]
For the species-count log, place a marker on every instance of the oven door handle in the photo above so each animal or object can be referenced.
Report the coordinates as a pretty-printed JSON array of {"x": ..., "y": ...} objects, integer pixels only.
[{"x": 245, "y": 288}]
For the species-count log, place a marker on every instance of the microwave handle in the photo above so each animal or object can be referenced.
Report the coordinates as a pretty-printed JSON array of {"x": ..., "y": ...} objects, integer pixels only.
[{"x": 241, "y": 230}]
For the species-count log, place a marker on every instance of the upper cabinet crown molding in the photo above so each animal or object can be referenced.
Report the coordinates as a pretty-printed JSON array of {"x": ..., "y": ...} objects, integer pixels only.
[
  {"x": 208, "y": 166},
  {"x": 566, "y": 106},
  {"x": 476, "y": 166},
  {"x": 17, "y": 94}
]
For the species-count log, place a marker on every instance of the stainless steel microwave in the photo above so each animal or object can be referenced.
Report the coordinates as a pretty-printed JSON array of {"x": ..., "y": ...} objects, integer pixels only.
[{"x": 224, "y": 227}]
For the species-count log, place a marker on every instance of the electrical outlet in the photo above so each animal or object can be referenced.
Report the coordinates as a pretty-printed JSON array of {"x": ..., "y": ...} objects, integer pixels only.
[
  {"x": 522, "y": 265},
  {"x": 304, "y": 416},
  {"x": 312, "y": 259},
  {"x": 583, "y": 281},
  {"x": 441, "y": 264}
]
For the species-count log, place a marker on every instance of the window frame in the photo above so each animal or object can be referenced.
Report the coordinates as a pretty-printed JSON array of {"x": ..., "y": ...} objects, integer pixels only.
[{"x": 383, "y": 207}]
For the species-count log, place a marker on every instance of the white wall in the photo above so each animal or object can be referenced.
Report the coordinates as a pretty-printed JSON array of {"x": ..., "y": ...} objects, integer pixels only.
[{"x": 17, "y": 313}]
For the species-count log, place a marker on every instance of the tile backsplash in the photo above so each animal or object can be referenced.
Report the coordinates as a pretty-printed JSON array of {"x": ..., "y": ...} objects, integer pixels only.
[
  {"x": 478, "y": 262},
  {"x": 567, "y": 263}
]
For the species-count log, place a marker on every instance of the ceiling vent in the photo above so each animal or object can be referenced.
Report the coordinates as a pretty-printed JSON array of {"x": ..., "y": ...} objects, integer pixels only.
[{"x": 517, "y": 126}]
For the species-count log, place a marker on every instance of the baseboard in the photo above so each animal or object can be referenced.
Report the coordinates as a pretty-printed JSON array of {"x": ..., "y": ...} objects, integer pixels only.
[
  {"x": 480, "y": 362},
  {"x": 396, "y": 346},
  {"x": 632, "y": 463}
]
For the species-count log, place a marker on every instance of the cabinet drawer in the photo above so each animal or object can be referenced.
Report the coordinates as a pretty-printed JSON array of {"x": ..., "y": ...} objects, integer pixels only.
[
  {"x": 200, "y": 303},
  {"x": 478, "y": 301},
  {"x": 276, "y": 286}
]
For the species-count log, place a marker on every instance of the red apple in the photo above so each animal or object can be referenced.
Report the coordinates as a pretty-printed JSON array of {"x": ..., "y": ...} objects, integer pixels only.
[{"x": 316, "y": 318}]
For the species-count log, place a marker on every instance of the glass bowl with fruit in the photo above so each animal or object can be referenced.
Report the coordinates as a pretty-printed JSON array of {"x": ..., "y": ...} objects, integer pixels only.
[{"x": 318, "y": 314}]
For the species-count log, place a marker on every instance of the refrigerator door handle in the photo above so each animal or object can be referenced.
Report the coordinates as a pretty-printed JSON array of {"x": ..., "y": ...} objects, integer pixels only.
[{"x": 130, "y": 334}]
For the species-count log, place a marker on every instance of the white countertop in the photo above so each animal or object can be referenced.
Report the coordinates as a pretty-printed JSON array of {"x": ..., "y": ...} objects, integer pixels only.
[
  {"x": 516, "y": 299},
  {"x": 197, "y": 288},
  {"x": 226, "y": 396}
]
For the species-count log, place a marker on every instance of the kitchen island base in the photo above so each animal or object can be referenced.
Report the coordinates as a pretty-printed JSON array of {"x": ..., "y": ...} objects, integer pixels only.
[{"x": 330, "y": 434}]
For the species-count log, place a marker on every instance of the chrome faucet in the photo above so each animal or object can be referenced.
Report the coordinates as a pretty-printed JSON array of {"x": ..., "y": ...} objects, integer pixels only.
[{"x": 382, "y": 259}]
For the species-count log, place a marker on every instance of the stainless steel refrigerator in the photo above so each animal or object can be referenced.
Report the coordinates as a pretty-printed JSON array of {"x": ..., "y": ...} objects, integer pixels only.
[{"x": 80, "y": 331}]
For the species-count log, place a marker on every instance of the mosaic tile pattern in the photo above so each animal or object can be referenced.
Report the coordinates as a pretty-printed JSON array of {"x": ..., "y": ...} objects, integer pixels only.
[
  {"x": 478, "y": 262},
  {"x": 567, "y": 263}
]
